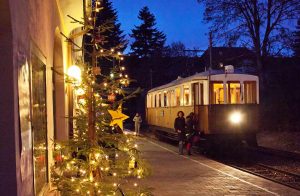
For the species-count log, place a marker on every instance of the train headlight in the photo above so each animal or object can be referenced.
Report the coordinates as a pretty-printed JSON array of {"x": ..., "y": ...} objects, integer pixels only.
[{"x": 235, "y": 117}]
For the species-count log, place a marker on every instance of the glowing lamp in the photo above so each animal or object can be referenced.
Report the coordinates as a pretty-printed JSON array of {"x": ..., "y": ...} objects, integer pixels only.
[
  {"x": 74, "y": 72},
  {"x": 235, "y": 118}
]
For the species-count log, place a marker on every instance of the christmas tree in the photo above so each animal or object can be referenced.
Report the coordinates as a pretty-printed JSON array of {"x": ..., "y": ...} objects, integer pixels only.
[{"x": 99, "y": 159}]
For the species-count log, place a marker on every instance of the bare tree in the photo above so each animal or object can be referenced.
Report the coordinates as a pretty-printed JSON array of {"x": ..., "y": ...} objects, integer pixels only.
[{"x": 262, "y": 23}]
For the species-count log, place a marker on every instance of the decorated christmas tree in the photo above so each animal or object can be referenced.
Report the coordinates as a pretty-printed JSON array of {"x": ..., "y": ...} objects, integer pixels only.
[{"x": 99, "y": 159}]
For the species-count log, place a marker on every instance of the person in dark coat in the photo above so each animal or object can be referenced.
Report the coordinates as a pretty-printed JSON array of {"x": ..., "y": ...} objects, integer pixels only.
[
  {"x": 191, "y": 131},
  {"x": 179, "y": 126}
]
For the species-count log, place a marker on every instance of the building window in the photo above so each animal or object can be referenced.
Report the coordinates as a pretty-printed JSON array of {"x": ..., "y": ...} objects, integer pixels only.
[
  {"x": 177, "y": 97},
  {"x": 186, "y": 95},
  {"x": 155, "y": 101},
  {"x": 39, "y": 123},
  {"x": 250, "y": 92},
  {"x": 217, "y": 93},
  {"x": 234, "y": 93}
]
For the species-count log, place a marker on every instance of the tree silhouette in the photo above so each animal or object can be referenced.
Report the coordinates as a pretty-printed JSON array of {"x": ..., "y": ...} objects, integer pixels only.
[
  {"x": 296, "y": 45},
  {"x": 148, "y": 40}
]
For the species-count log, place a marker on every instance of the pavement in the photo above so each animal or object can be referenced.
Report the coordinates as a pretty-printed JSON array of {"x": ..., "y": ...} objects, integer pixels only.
[{"x": 178, "y": 175}]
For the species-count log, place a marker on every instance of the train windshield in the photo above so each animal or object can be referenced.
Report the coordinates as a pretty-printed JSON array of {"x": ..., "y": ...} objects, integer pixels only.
[{"x": 233, "y": 92}]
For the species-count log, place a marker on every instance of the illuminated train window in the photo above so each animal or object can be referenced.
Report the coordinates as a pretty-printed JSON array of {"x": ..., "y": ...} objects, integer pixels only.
[
  {"x": 186, "y": 95},
  {"x": 177, "y": 95},
  {"x": 234, "y": 93},
  {"x": 217, "y": 93},
  {"x": 250, "y": 92}
]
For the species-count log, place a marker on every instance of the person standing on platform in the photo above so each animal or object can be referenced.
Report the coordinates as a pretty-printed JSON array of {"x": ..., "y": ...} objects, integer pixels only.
[
  {"x": 179, "y": 126},
  {"x": 137, "y": 123},
  {"x": 191, "y": 131}
]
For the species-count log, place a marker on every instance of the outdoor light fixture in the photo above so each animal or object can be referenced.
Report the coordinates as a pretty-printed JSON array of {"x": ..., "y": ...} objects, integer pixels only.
[
  {"x": 74, "y": 72},
  {"x": 235, "y": 118}
]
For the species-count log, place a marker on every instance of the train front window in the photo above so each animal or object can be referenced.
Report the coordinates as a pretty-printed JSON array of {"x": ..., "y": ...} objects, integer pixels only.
[
  {"x": 217, "y": 93},
  {"x": 250, "y": 92},
  {"x": 234, "y": 94}
]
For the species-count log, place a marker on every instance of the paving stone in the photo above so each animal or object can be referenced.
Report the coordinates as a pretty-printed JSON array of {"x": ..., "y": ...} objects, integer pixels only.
[{"x": 175, "y": 175}]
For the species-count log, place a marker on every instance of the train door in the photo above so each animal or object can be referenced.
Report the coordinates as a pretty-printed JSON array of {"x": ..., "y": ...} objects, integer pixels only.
[{"x": 195, "y": 98}]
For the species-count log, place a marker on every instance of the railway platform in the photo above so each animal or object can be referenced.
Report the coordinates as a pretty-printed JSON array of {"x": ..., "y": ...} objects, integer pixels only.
[{"x": 178, "y": 175}]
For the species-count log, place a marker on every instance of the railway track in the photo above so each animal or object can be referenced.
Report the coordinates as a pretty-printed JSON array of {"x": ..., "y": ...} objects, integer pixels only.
[{"x": 270, "y": 173}]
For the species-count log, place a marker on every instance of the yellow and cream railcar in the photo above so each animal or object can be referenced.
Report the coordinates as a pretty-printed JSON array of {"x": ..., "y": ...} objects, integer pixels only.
[{"x": 225, "y": 104}]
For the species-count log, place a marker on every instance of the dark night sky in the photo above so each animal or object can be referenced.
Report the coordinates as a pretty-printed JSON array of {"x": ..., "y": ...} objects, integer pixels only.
[{"x": 180, "y": 20}]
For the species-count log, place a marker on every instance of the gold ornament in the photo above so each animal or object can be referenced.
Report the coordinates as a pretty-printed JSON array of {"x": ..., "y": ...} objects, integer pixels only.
[{"x": 117, "y": 117}]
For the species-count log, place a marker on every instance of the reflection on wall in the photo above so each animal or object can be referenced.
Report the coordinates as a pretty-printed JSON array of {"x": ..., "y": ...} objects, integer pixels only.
[
  {"x": 39, "y": 122},
  {"x": 25, "y": 128}
]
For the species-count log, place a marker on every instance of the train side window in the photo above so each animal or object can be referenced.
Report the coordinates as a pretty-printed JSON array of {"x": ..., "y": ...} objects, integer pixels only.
[
  {"x": 217, "y": 93},
  {"x": 250, "y": 92},
  {"x": 186, "y": 95},
  {"x": 159, "y": 100},
  {"x": 169, "y": 99},
  {"x": 165, "y": 99},
  {"x": 177, "y": 97},
  {"x": 234, "y": 93}
]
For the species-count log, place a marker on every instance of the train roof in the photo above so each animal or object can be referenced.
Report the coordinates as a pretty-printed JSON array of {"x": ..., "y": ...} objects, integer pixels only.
[{"x": 196, "y": 76}]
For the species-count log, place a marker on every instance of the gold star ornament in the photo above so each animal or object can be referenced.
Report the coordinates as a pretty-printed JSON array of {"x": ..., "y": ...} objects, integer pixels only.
[{"x": 117, "y": 117}]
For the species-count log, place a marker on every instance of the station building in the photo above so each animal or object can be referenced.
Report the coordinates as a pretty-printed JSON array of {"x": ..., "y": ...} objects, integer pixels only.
[{"x": 35, "y": 100}]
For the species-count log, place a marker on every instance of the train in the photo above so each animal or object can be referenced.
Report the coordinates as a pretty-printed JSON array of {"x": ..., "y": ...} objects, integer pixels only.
[{"x": 225, "y": 103}]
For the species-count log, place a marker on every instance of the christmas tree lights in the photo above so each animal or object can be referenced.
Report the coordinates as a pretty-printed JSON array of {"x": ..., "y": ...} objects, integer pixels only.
[{"x": 99, "y": 159}]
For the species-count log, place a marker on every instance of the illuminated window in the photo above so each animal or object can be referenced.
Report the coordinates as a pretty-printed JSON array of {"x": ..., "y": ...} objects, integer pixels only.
[
  {"x": 159, "y": 100},
  {"x": 169, "y": 98},
  {"x": 234, "y": 94},
  {"x": 177, "y": 96},
  {"x": 186, "y": 91},
  {"x": 217, "y": 93},
  {"x": 250, "y": 92},
  {"x": 165, "y": 99}
]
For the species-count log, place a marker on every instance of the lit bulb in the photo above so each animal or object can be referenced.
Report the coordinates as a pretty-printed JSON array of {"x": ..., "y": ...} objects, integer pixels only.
[
  {"x": 122, "y": 58},
  {"x": 77, "y": 190},
  {"x": 117, "y": 155},
  {"x": 126, "y": 76},
  {"x": 90, "y": 18},
  {"x": 112, "y": 50},
  {"x": 105, "y": 84},
  {"x": 115, "y": 184},
  {"x": 122, "y": 68},
  {"x": 101, "y": 50},
  {"x": 112, "y": 75},
  {"x": 135, "y": 145},
  {"x": 74, "y": 72},
  {"x": 135, "y": 184},
  {"x": 114, "y": 174},
  {"x": 97, "y": 9}
]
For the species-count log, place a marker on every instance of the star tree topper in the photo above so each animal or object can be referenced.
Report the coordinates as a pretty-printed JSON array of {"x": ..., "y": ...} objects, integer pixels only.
[{"x": 117, "y": 117}]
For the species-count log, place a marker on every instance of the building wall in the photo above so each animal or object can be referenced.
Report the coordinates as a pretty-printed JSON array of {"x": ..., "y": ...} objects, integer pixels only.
[{"x": 28, "y": 27}]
